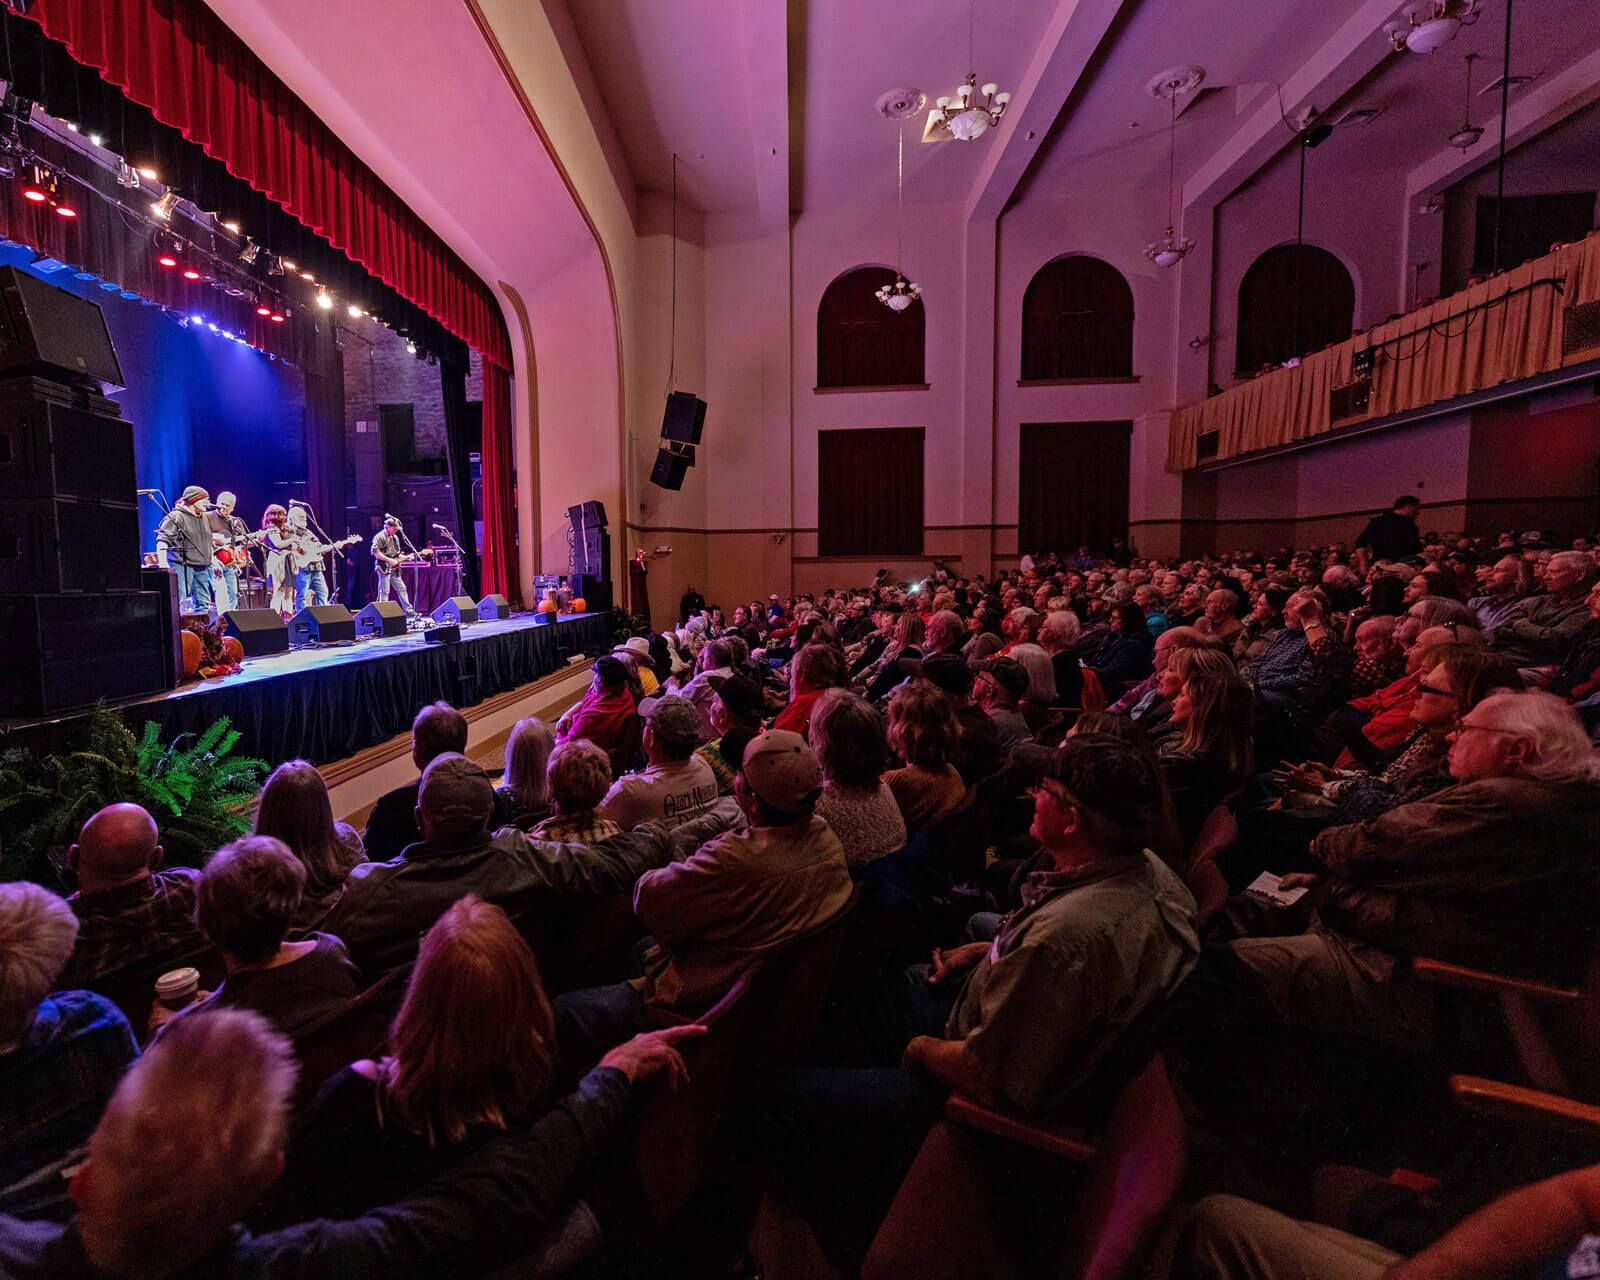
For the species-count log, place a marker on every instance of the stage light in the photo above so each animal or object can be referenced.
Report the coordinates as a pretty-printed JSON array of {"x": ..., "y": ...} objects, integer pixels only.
[
  {"x": 247, "y": 255},
  {"x": 96, "y": 140},
  {"x": 356, "y": 312},
  {"x": 263, "y": 310},
  {"x": 212, "y": 325},
  {"x": 324, "y": 300},
  {"x": 38, "y": 186},
  {"x": 127, "y": 176},
  {"x": 411, "y": 348},
  {"x": 149, "y": 175},
  {"x": 286, "y": 264},
  {"x": 197, "y": 318},
  {"x": 306, "y": 275},
  {"x": 277, "y": 318},
  {"x": 72, "y": 126},
  {"x": 66, "y": 211},
  {"x": 167, "y": 259},
  {"x": 164, "y": 207},
  {"x": 231, "y": 226},
  {"x": 190, "y": 274}
]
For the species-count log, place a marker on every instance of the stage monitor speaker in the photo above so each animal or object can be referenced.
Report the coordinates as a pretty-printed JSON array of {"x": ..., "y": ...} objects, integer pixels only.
[
  {"x": 59, "y": 545},
  {"x": 669, "y": 470},
  {"x": 260, "y": 631},
  {"x": 50, "y": 450},
  {"x": 446, "y": 633},
  {"x": 381, "y": 618},
  {"x": 594, "y": 590},
  {"x": 684, "y": 419},
  {"x": 67, "y": 651},
  {"x": 457, "y": 609},
  {"x": 49, "y": 331},
  {"x": 493, "y": 608},
  {"x": 587, "y": 514},
  {"x": 322, "y": 624}
]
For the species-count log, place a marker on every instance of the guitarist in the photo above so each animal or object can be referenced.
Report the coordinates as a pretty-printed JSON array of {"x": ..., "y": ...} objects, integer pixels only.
[
  {"x": 311, "y": 582},
  {"x": 227, "y": 534},
  {"x": 388, "y": 554}
]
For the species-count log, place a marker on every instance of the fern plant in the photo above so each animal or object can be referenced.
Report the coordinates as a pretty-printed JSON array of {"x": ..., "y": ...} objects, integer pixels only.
[{"x": 198, "y": 792}]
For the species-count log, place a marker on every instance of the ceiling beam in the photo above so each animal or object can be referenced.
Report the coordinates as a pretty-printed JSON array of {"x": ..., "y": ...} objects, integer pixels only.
[
  {"x": 1070, "y": 40},
  {"x": 765, "y": 46}
]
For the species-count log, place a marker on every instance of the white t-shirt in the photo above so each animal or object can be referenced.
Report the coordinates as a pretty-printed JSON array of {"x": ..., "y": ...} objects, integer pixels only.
[{"x": 669, "y": 793}]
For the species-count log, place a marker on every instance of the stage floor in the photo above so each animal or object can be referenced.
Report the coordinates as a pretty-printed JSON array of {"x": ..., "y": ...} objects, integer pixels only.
[{"x": 326, "y": 703}]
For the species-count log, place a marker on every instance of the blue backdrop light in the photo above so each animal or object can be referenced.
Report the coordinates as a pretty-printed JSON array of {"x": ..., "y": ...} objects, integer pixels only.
[{"x": 205, "y": 410}]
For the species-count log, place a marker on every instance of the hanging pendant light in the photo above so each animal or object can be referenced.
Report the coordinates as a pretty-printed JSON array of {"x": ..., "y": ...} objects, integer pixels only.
[
  {"x": 902, "y": 293},
  {"x": 966, "y": 118},
  {"x": 1468, "y": 134},
  {"x": 1172, "y": 248}
]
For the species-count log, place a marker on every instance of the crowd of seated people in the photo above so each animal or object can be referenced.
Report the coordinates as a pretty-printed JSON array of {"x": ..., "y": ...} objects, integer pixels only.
[{"x": 1219, "y": 815}]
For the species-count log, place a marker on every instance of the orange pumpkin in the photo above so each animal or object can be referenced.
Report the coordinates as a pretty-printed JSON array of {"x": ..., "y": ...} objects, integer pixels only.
[
  {"x": 193, "y": 651},
  {"x": 578, "y": 606},
  {"x": 232, "y": 649},
  {"x": 547, "y": 606}
]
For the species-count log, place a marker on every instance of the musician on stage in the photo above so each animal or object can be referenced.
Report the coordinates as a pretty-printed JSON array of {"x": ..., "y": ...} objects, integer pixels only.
[
  {"x": 280, "y": 558},
  {"x": 388, "y": 552},
  {"x": 183, "y": 542},
  {"x": 228, "y": 534},
  {"x": 311, "y": 582}
]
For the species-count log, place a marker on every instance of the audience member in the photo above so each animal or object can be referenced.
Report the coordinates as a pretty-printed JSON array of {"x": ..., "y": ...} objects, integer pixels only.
[
  {"x": 676, "y": 785},
  {"x": 1220, "y": 620},
  {"x": 980, "y": 751},
  {"x": 1539, "y": 631},
  {"x": 579, "y": 777},
  {"x": 1508, "y": 582},
  {"x": 294, "y": 808},
  {"x": 605, "y": 715},
  {"x": 813, "y": 671},
  {"x": 922, "y": 731},
  {"x": 1058, "y": 637},
  {"x": 392, "y": 824},
  {"x": 60, "y": 1054},
  {"x": 1126, "y": 656},
  {"x": 523, "y": 799},
  {"x": 1207, "y": 756},
  {"x": 714, "y": 664},
  {"x": 1393, "y": 535},
  {"x": 999, "y": 689},
  {"x": 847, "y": 735},
  {"x": 1038, "y": 703},
  {"x": 130, "y": 913},
  {"x": 1379, "y": 660}
]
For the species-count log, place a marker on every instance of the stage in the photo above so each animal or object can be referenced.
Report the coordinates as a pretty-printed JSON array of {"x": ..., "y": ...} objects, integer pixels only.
[{"x": 327, "y": 703}]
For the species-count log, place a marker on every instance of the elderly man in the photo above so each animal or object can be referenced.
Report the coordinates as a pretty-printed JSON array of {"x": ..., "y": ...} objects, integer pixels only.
[
  {"x": 196, "y": 1131},
  {"x": 1540, "y": 630},
  {"x": 1379, "y": 658},
  {"x": 1220, "y": 621},
  {"x": 737, "y": 899},
  {"x": 715, "y": 660},
  {"x": 1505, "y": 584},
  {"x": 392, "y": 824},
  {"x": 677, "y": 784},
  {"x": 1143, "y": 703},
  {"x": 129, "y": 911},
  {"x": 386, "y": 906},
  {"x": 1019, "y": 626},
  {"x": 980, "y": 754},
  {"x": 1001, "y": 685},
  {"x": 1496, "y": 872},
  {"x": 60, "y": 1055},
  {"x": 812, "y": 672}
]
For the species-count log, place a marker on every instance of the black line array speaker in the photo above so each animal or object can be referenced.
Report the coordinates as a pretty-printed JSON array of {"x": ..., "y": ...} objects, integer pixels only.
[
  {"x": 457, "y": 610},
  {"x": 260, "y": 631},
  {"x": 492, "y": 608},
  {"x": 322, "y": 624},
  {"x": 47, "y": 330},
  {"x": 684, "y": 419},
  {"x": 67, "y": 651},
  {"x": 53, "y": 450},
  {"x": 594, "y": 591},
  {"x": 669, "y": 470},
  {"x": 381, "y": 618},
  {"x": 53, "y": 545},
  {"x": 587, "y": 513}
]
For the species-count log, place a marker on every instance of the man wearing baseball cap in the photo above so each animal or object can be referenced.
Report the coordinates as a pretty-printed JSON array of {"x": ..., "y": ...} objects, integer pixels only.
[
  {"x": 732, "y": 903},
  {"x": 183, "y": 543},
  {"x": 981, "y": 753},
  {"x": 676, "y": 785},
  {"x": 736, "y": 711},
  {"x": 1002, "y": 683},
  {"x": 604, "y": 713}
]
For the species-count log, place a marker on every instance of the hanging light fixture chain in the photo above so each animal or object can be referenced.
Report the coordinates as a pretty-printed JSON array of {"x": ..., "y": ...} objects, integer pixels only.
[{"x": 672, "y": 324}]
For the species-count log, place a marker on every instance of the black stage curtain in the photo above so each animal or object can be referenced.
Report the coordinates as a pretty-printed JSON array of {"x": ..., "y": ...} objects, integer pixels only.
[
  {"x": 869, "y": 492},
  {"x": 453, "y": 381},
  {"x": 331, "y": 710},
  {"x": 1073, "y": 486}
]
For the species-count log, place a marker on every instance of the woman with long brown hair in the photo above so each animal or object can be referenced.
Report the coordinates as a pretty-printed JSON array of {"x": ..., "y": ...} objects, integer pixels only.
[
  {"x": 294, "y": 807},
  {"x": 280, "y": 569}
]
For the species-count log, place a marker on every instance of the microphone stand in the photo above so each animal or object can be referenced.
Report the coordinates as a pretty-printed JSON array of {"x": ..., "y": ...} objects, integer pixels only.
[
  {"x": 160, "y": 500},
  {"x": 416, "y": 559},
  {"x": 461, "y": 558}
]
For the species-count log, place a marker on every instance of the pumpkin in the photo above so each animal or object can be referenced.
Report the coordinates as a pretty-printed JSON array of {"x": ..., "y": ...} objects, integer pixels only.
[
  {"x": 193, "y": 651},
  {"x": 232, "y": 649},
  {"x": 578, "y": 606},
  {"x": 547, "y": 606}
]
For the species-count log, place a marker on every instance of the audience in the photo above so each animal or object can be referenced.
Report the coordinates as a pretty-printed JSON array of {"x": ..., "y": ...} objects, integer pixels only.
[
  {"x": 1126, "y": 656},
  {"x": 923, "y": 732},
  {"x": 981, "y": 754},
  {"x": 1538, "y": 632},
  {"x": 523, "y": 799},
  {"x": 676, "y": 784},
  {"x": 605, "y": 714},
  {"x": 813, "y": 671},
  {"x": 130, "y": 913},
  {"x": 61, "y": 1052},
  {"x": 580, "y": 778},
  {"x": 295, "y": 809},
  {"x": 392, "y": 824},
  {"x": 736, "y": 710},
  {"x": 998, "y": 690},
  {"x": 847, "y": 735}
]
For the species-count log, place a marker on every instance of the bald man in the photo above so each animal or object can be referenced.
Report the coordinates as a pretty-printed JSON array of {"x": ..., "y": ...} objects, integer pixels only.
[{"x": 130, "y": 913}]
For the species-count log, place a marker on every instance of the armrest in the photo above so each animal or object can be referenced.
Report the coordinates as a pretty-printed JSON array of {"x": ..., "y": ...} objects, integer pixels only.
[
  {"x": 1512, "y": 1102},
  {"x": 1051, "y": 1136},
  {"x": 1459, "y": 975}
]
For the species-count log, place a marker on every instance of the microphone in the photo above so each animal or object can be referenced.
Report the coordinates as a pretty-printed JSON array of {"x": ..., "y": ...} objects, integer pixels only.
[
  {"x": 387, "y": 517},
  {"x": 146, "y": 493},
  {"x": 443, "y": 530},
  {"x": 295, "y": 502}
]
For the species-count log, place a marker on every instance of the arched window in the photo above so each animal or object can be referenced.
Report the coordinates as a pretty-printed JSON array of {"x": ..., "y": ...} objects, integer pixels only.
[
  {"x": 1077, "y": 321},
  {"x": 861, "y": 342},
  {"x": 1294, "y": 300}
]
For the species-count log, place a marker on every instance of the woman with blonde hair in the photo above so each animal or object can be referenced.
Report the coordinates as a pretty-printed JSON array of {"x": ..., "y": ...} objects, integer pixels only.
[
  {"x": 880, "y": 679},
  {"x": 1208, "y": 753},
  {"x": 1038, "y": 705},
  {"x": 471, "y": 1054},
  {"x": 523, "y": 799},
  {"x": 294, "y": 807},
  {"x": 924, "y": 732}
]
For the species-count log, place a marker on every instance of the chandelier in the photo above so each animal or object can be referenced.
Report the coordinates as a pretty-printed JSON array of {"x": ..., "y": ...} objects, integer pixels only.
[
  {"x": 1172, "y": 248},
  {"x": 1468, "y": 134},
  {"x": 965, "y": 118},
  {"x": 1426, "y": 25},
  {"x": 902, "y": 293}
]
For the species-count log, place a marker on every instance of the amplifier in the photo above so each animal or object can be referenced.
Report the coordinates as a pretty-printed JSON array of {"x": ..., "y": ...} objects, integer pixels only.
[
  {"x": 322, "y": 624},
  {"x": 493, "y": 608},
  {"x": 457, "y": 610},
  {"x": 66, "y": 651}
]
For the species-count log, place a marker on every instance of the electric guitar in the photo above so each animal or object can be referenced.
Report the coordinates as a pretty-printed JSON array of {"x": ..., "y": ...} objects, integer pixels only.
[
  {"x": 232, "y": 550},
  {"x": 402, "y": 561},
  {"x": 303, "y": 553}
]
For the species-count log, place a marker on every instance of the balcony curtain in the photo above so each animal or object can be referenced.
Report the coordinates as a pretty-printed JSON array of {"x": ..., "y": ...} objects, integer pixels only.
[
  {"x": 1499, "y": 331},
  {"x": 178, "y": 59}
]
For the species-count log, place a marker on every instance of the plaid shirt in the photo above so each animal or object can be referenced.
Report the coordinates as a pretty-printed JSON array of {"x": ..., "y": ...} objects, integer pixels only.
[
  {"x": 119, "y": 928},
  {"x": 53, "y": 1085},
  {"x": 1374, "y": 673},
  {"x": 577, "y": 828}
]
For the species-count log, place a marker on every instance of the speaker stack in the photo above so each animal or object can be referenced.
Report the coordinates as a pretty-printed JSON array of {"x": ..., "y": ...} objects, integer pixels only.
[
  {"x": 681, "y": 425},
  {"x": 589, "y": 555},
  {"x": 76, "y": 624}
]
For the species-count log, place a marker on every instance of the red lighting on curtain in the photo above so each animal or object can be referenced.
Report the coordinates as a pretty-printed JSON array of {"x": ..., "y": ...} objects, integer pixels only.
[
  {"x": 499, "y": 569},
  {"x": 167, "y": 260}
]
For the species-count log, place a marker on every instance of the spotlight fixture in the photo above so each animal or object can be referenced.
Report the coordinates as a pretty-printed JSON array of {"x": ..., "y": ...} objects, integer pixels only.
[
  {"x": 287, "y": 265},
  {"x": 356, "y": 312},
  {"x": 189, "y": 273},
  {"x": 127, "y": 175},
  {"x": 308, "y": 275},
  {"x": 65, "y": 210},
  {"x": 263, "y": 310},
  {"x": 149, "y": 175},
  {"x": 39, "y": 186},
  {"x": 247, "y": 255},
  {"x": 277, "y": 317},
  {"x": 164, "y": 207},
  {"x": 167, "y": 258},
  {"x": 96, "y": 140},
  {"x": 324, "y": 300},
  {"x": 231, "y": 226},
  {"x": 411, "y": 348},
  {"x": 274, "y": 266}
]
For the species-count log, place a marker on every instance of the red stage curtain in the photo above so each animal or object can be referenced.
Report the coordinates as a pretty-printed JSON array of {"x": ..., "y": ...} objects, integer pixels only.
[
  {"x": 177, "y": 58},
  {"x": 498, "y": 567}
]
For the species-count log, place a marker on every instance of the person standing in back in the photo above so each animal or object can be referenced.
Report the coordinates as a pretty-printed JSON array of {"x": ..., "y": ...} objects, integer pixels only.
[{"x": 392, "y": 825}]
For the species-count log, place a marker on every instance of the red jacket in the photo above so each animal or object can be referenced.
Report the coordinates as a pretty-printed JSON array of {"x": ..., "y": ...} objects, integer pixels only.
[
  {"x": 602, "y": 718},
  {"x": 1390, "y": 711},
  {"x": 796, "y": 717}
]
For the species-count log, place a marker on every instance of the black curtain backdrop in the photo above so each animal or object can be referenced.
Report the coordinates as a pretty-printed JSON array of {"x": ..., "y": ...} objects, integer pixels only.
[
  {"x": 1077, "y": 321},
  {"x": 324, "y": 370},
  {"x": 1273, "y": 326},
  {"x": 453, "y": 380},
  {"x": 869, "y": 492},
  {"x": 1073, "y": 486}
]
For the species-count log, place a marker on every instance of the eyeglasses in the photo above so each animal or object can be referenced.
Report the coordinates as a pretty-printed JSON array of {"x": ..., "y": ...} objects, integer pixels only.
[
  {"x": 1440, "y": 693},
  {"x": 1040, "y": 789},
  {"x": 1461, "y": 726}
]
